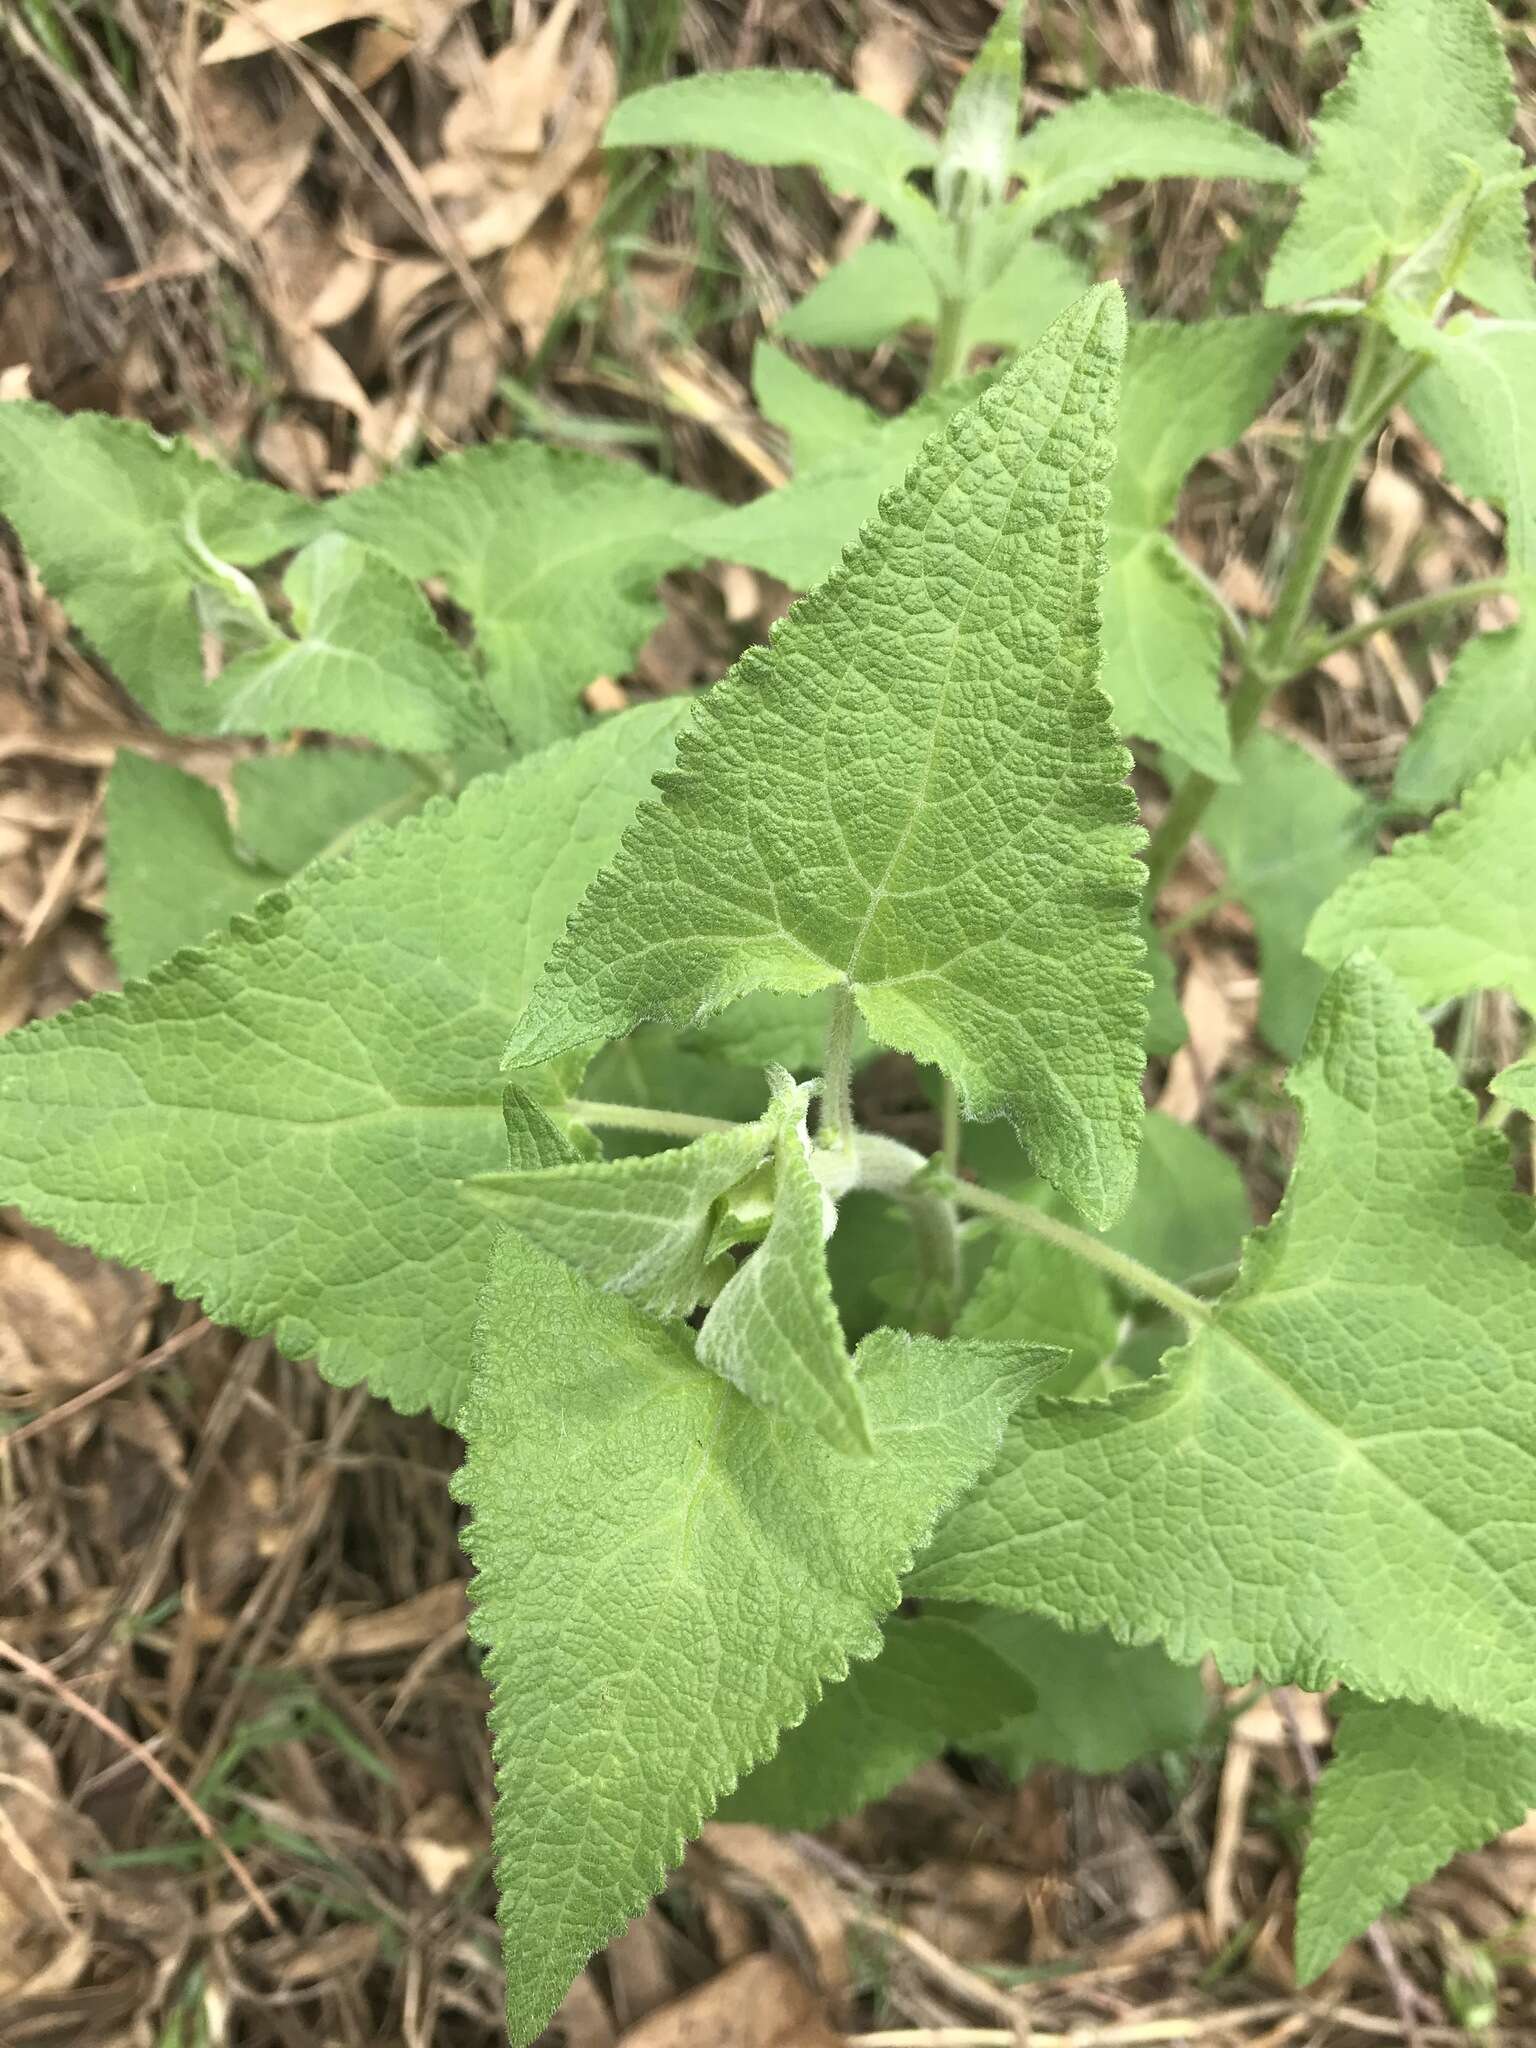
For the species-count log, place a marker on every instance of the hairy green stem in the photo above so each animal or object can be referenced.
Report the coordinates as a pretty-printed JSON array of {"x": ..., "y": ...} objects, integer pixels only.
[
  {"x": 660, "y": 1123},
  {"x": 1396, "y": 616},
  {"x": 837, "y": 1072},
  {"x": 949, "y": 343},
  {"x": 1274, "y": 657},
  {"x": 1130, "y": 1273}
]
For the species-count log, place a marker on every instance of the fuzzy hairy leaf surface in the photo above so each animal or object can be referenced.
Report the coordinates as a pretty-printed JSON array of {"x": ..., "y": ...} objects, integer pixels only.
[
  {"x": 294, "y": 807},
  {"x": 123, "y": 527},
  {"x": 773, "y": 1332},
  {"x": 667, "y": 1577},
  {"x": 173, "y": 874},
  {"x": 1483, "y": 712},
  {"x": 819, "y": 419},
  {"x": 885, "y": 286},
  {"x": 1477, "y": 403},
  {"x": 915, "y": 791},
  {"x": 1452, "y": 909},
  {"x": 641, "y": 1225},
  {"x": 1306, "y": 1492},
  {"x": 554, "y": 555},
  {"x": 369, "y": 661},
  {"x": 767, "y": 1030},
  {"x": 1428, "y": 89},
  {"x": 1409, "y": 1786},
  {"x": 1290, "y": 831},
  {"x": 278, "y": 1125},
  {"x": 1071, "y": 157},
  {"x": 934, "y": 1683},
  {"x": 1099, "y": 1705}
]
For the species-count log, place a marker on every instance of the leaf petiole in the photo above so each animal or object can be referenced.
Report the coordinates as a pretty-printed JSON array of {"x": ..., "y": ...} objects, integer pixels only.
[{"x": 661, "y": 1123}]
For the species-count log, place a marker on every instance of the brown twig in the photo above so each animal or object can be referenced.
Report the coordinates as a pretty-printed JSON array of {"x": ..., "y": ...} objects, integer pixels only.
[
  {"x": 161, "y": 1355},
  {"x": 41, "y": 1675}
]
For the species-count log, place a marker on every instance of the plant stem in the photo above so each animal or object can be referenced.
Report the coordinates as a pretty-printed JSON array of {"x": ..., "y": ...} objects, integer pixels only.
[
  {"x": 837, "y": 1073},
  {"x": 1274, "y": 657},
  {"x": 949, "y": 341},
  {"x": 949, "y": 1125},
  {"x": 660, "y": 1123},
  {"x": 1130, "y": 1273},
  {"x": 1398, "y": 615}
]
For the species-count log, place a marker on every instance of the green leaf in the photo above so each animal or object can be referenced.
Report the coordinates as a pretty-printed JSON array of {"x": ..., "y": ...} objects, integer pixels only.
[
  {"x": 934, "y": 1683},
  {"x": 970, "y": 174},
  {"x": 124, "y": 527},
  {"x": 666, "y": 1578},
  {"x": 799, "y": 532},
  {"x": 641, "y": 1226},
  {"x": 773, "y": 1331},
  {"x": 1484, "y": 711},
  {"x": 1477, "y": 403},
  {"x": 278, "y": 1126},
  {"x": 819, "y": 419},
  {"x": 788, "y": 117},
  {"x": 173, "y": 875},
  {"x": 1034, "y": 1291},
  {"x": 767, "y": 1030},
  {"x": 294, "y": 807},
  {"x": 915, "y": 792},
  {"x": 1517, "y": 1084},
  {"x": 1306, "y": 1493},
  {"x": 1290, "y": 832},
  {"x": 554, "y": 555},
  {"x": 1428, "y": 94},
  {"x": 1109, "y": 137},
  {"x": 370, "y": 662},
  {"x": 885, "y": 286},
  {"x": 1166, "y": 1028},
  {"x": 1452, "y": 909},
  {"x": 1190, "y": 1213},
  {"x": 1408, "y": 1787},
  {"x": 1188, "y": 391},
  {"x": 655, "y": 1069},
  {"x": 1099, "y": 1705}
]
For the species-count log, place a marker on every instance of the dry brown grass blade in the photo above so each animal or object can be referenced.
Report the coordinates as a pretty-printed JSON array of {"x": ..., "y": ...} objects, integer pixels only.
[{"x": 112, "y": 1384}]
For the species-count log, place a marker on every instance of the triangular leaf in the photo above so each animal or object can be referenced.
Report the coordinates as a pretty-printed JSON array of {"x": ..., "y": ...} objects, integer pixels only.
[
  {"x": 291, "y": 808},
  {"x": 885, "y": 286},
  {"x": 773, "y": 1332},
  {"x": 666, "y": 1578},
  {"x": 124, "y": 527},
  {"x": 173, "y": 875},
  {"x": 1409, "y": 1786},
  {"x": 369, "y": 661},
  {"x": 641, "y": 1226},
  {"x": 1477, "y": 403},
  {"x": 1162, "y": 654},
  {"x": 1306, "y": 1494},
  {"x": 554, "y": 555},
  {"x": 915, "y": 791},
  {"x": 1107, "y": 137},
  {"x": 1290, "y": 831},
  {"x": 934, "y": 1683},
  {"x": 819, "y": 419},
  {"x": 1427, "y": 90},
  {"x": 1484, "y": 711},
  {"x": 278, "y": 1126},
  {"x": 1452, "y": 909}
]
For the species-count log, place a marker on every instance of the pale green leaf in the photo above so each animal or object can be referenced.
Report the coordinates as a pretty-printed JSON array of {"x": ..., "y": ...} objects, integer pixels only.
[
  {"x": 655, "y": 1069},
  {"x": 1190, "y": 1212},
  {"x": 1290, "y": 831},
  {"x": 369, "y": 661},
  {"x": 1484, "y": 711},
  {"x": 773, "y": 1331},
  {"x": 971, "y": 172},
  {"x": 934, "y": 1683},
  {"x": 1452, "y": 909},
  {"x": 667, "y": 1577},
  {"x": 554, "y": 555},
  {"x": 640, "y": 1226},
  {"x": 915, "y": 792},
  {"x": 800, "y": 531},
  {"x": 1409, "y": 1787},
  {"x": 885, "y": 286},
  {"x": 1106, "y": 138},
  {"x": 1517, "y": 1085},
  {"x": 1036, "y": 1292},
  {"x": 1099, "y": 1705},
  {"x": 1332, "y": 1481},
  {"x": 788, "y": 117},
  {"x": 123, "y": 527},
  {"x": 1477, "y": 403},
  {"x": 278, "y": 1126},
  {"x": 1166, "y": 1028},
  {"x": 291, "y": 808},
  {"x": 1428, "y": 95},
  {"x": 767, "y": 1030},
  {"x": 819, "y": 419},
  {"x": 1162, "y": 654},
  {"x": 173, "y": 874}
]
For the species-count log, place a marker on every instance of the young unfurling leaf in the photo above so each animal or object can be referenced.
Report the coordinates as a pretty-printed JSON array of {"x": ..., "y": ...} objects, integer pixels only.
[{"x": 915, "y": 792}]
